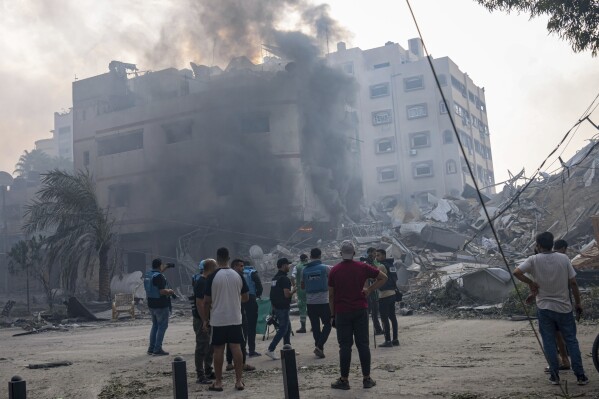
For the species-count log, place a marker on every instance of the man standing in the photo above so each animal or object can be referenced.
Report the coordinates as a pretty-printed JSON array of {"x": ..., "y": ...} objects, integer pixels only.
[
  {"x": 373, "y": 302},
  {"x": 251, "y": 306},
  {"x": 349, "y": 307},
  {"x": 315, "y": 282},
  {"x": 553, "y": 276},
  {"x": 387, "y": 298},
  {"x": 203, "y": 352},
  {"x": 296, "y": 279},
  {"x": 280, "y": 298},
  {"x": 159, "y": 304},
  {"x": 225, "y": 291}
]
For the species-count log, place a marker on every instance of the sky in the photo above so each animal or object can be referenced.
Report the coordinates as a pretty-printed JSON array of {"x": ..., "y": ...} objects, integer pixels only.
[{"x": 536, "y": 86}]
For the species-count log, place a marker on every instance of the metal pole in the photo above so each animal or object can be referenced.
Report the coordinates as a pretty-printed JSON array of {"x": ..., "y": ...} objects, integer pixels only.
[
  {"x": 4, "y": 235},
  {"x": 179, "y": 378},
  {"x": 17, "y": 388},
  {"x": 289, "y": 367}
]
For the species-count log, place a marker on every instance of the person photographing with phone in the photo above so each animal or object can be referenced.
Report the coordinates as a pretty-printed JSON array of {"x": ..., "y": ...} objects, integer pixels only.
[{"x": 159, "y": 303}]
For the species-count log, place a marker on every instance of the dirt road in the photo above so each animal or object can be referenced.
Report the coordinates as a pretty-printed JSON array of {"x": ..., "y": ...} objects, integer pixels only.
[{"x": 438, "y": 358}]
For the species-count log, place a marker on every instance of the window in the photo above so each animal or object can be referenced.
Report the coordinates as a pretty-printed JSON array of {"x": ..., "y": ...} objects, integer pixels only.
[
  {"x": 442, "y": 80},
  {"x": 420, "y": 140},
  {"x": 382, "y": 65},
  {"x": 471, "y": 96},
  {"x": 413, "y": 83},
  {"x": 481, "y": 105},
  {"x": 459, "y": 86},
  {"x": 119, "y": 195},
  {"x": 119, "y": 143},
  {"x": 254, "y": 123},
  {"x": 380, "y": 90},
  {"x": 442, "y": 108},
  {"x": 447, "y": 137},
  {"x": 422, "y": 169},
  {"x": 348, "y": 68},
  {"x": 85, "y": 158},
  {"x": 382, "y": 117},
  {"x": 178, "y": 131},
  {"x": 385, "y": 145},
  {"x": 478, "y": 147},
  {"x": 64, "y": 130},
  {"x": 417, "y": 111},
  {"x": 386, "y": 174},
  {"x": 450, "y": 167}
]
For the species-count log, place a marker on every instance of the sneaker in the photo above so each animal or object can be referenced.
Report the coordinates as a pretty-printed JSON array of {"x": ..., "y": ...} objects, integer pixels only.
[
  {"x": 272, "y": 355},
  {"x": 229, "y": 367},
  {"x": 395, "y": 342},
  {"x": 340, "y": 384},
  {"x": 211, "y": 375},
  {"x": 301, "y": 330},
  {"x": 386, "y": 344},
  {"x": 554, "y": 379},
  {"x": 368, "y": 382},
  {"x": 160, "y": 352},
  {"x": 582, "y": 380},
  {"x": 319, "y": 353},
  {"x": 254, "y": 354},
  {"x": 149, "y": 352},
  {"x": 203, "y": 381}
]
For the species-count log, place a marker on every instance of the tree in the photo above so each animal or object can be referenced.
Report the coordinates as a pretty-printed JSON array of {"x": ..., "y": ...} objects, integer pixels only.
[
  {"x": 576, "y": 21},
  {"x": 33, "y": 161},
  {"x": 82, "y": 230},
  {"x": 27, "y": 255}
]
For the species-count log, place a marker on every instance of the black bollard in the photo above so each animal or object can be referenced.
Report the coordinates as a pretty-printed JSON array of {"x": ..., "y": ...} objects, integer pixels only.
[
  {"x": 17, "y": 388},
  {"x": 179, "y": 378},
  {"x": 290, "y": 383}
]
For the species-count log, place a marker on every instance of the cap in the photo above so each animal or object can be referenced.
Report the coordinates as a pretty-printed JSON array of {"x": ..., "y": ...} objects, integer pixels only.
[
  {"x": 347, "y": 250},
  {"x": 303, "y": 257},
  {"x": 283, "y": 261}
]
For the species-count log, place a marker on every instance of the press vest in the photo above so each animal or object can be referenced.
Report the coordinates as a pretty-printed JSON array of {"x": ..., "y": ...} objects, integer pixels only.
[
  {"x": 391, "y": 282},
  {"x": 315, "y": 278},
  {"x": 247, "y": 274},
  {"x": 277, "y": 294},
  {"x": 151, "y": 290}
]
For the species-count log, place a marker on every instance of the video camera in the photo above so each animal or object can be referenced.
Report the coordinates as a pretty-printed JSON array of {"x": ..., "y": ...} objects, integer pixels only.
[{"x": 170, "y": 265}]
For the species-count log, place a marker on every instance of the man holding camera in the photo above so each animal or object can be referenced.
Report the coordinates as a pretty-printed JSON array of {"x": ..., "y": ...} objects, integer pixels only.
[{"x": 159, "y": 304}]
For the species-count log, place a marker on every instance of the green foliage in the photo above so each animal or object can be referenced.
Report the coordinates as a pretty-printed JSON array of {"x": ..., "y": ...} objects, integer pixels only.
[
  {"x": 39, "y": 161},
  {"x": 27, "y": 256},
  {"x": 513, "y": 306},
  {"x": 82, "y": 230},
  {"x": 576, "y": 21}
]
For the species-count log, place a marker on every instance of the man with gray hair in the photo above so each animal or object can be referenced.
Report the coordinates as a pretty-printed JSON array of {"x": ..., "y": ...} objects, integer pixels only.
[{"x": 349, "y": 311}]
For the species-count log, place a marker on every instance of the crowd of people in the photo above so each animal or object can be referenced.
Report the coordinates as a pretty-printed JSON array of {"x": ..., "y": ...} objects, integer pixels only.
[{"x": 225, "y": 309}]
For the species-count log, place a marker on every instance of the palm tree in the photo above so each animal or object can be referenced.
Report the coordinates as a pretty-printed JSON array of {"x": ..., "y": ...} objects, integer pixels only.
[
  {"x": 33, "y": 161},
  {"x": 82, "y": 230}
]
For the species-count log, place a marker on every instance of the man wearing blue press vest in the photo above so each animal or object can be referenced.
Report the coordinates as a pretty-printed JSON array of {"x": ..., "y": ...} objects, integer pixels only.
[
  {"x": 315, "y": 277},
  {"x": 251, "y": 306},
  {"x": 159, "y": 304}
]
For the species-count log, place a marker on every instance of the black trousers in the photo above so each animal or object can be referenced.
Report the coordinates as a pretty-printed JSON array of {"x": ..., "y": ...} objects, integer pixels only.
[
  {"x": 244, "y": 326},
  {"x": 350, "y": 326},
  {"x": 373, "y": 309},
  {"x": 387, "y": 308},
  {"x": 251, "y": 311},
  {"x": 320, "y": 313}
]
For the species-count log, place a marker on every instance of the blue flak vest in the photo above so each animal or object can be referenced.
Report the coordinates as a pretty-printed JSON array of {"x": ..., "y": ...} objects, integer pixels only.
[
  {"x": 195, "y": 278},
  {"x": 151, "y": 290},
  {"x": 315, "y": 279},
  {"x": 247, "y": 274}
]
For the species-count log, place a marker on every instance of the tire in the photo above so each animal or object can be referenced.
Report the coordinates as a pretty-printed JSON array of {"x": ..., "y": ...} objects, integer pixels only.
[{"x": 595, "y": 353}]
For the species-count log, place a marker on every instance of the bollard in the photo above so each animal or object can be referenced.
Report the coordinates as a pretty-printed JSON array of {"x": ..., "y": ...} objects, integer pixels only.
[
  {"x": 17, "y": 388},
  {"x": 289, "y": 367},
  {"x": 179, "y": 378}
]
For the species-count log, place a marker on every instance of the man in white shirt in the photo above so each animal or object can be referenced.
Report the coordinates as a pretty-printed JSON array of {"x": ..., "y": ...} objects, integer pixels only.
[
  {"x": 553, "y": 277},
  {"x": 225, "y": 291}
]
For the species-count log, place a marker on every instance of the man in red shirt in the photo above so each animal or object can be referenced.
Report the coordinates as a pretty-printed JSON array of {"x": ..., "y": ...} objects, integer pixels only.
[{"x": 349, "y": 310}]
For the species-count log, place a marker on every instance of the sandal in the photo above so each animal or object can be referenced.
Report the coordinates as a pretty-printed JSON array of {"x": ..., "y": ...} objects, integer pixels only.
[
  {"x": 248, "y": 367},
  {"x": 240, "y": 387},
  {"x": 215, "y": 388}
]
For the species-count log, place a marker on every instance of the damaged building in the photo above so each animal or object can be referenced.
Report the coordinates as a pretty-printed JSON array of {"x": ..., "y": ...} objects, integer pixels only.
[{"x": 250, "y": 154}]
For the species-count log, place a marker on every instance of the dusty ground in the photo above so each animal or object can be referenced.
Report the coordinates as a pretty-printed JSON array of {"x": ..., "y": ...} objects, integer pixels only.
[{"x": 438, "y": 358}]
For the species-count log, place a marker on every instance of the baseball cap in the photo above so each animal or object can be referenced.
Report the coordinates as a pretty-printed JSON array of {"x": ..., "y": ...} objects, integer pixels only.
[
  {"x": 283, "y": 261},
  {"x": 347, "y": 250}
]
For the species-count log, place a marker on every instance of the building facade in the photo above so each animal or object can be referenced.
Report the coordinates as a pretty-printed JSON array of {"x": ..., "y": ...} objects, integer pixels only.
[
  {"x": 408, "y": 148},
  {"x": 63, "y": 134}
]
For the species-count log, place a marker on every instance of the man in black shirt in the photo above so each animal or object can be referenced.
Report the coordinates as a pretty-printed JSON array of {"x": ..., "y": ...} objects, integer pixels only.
[
  {"x": 280, "y": 298},
  {"x": 203, "y": 352},
  {"x": 159, "y": 304}
]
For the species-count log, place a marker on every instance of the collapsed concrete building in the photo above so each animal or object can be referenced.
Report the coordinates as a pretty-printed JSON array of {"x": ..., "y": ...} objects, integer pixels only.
[{"x": 250, "y": 154}]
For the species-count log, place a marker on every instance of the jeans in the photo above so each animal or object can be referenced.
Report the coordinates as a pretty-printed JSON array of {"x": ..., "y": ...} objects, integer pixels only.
[
  {"x": 284, "y": 331},
  {"x": 549, "y": 321},
  {"x": 251, "y": 310},
  {"x": 350, "y": 326},
  {"x": 203, "y": 352},
  {"x": 317, "y": 314},
  {"x": 159, "y": 326},
  {"x": 387, "y": 309}
]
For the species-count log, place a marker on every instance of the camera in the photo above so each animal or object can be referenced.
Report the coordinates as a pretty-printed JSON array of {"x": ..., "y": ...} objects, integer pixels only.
[{"x": 170, "y": 265}]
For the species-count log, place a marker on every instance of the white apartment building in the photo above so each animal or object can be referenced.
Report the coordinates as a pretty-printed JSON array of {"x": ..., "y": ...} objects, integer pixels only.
[
  {"x": 406, "y": 142},
  {"x": 63, "y": 133}
]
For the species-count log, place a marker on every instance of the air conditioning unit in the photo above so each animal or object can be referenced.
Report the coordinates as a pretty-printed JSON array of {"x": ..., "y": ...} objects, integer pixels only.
[{"x": 413, "y": 153}]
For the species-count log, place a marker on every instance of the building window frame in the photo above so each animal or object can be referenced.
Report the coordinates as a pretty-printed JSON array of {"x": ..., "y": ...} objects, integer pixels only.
[
  {"x": 382, "y": 117},
  {"x": 417, "y": 111},
  {"x": 447, "y": 137},
  {"x": 422, "y": 169},
  {"x": 420, "y": 140},
  {"x": 451, "y": 167},
  {"x": 388, "y": 144},
  {"x": 386, "y": 174},
  {"x": 379, "y": 90},
  {"x": 413, "y": 83}
]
